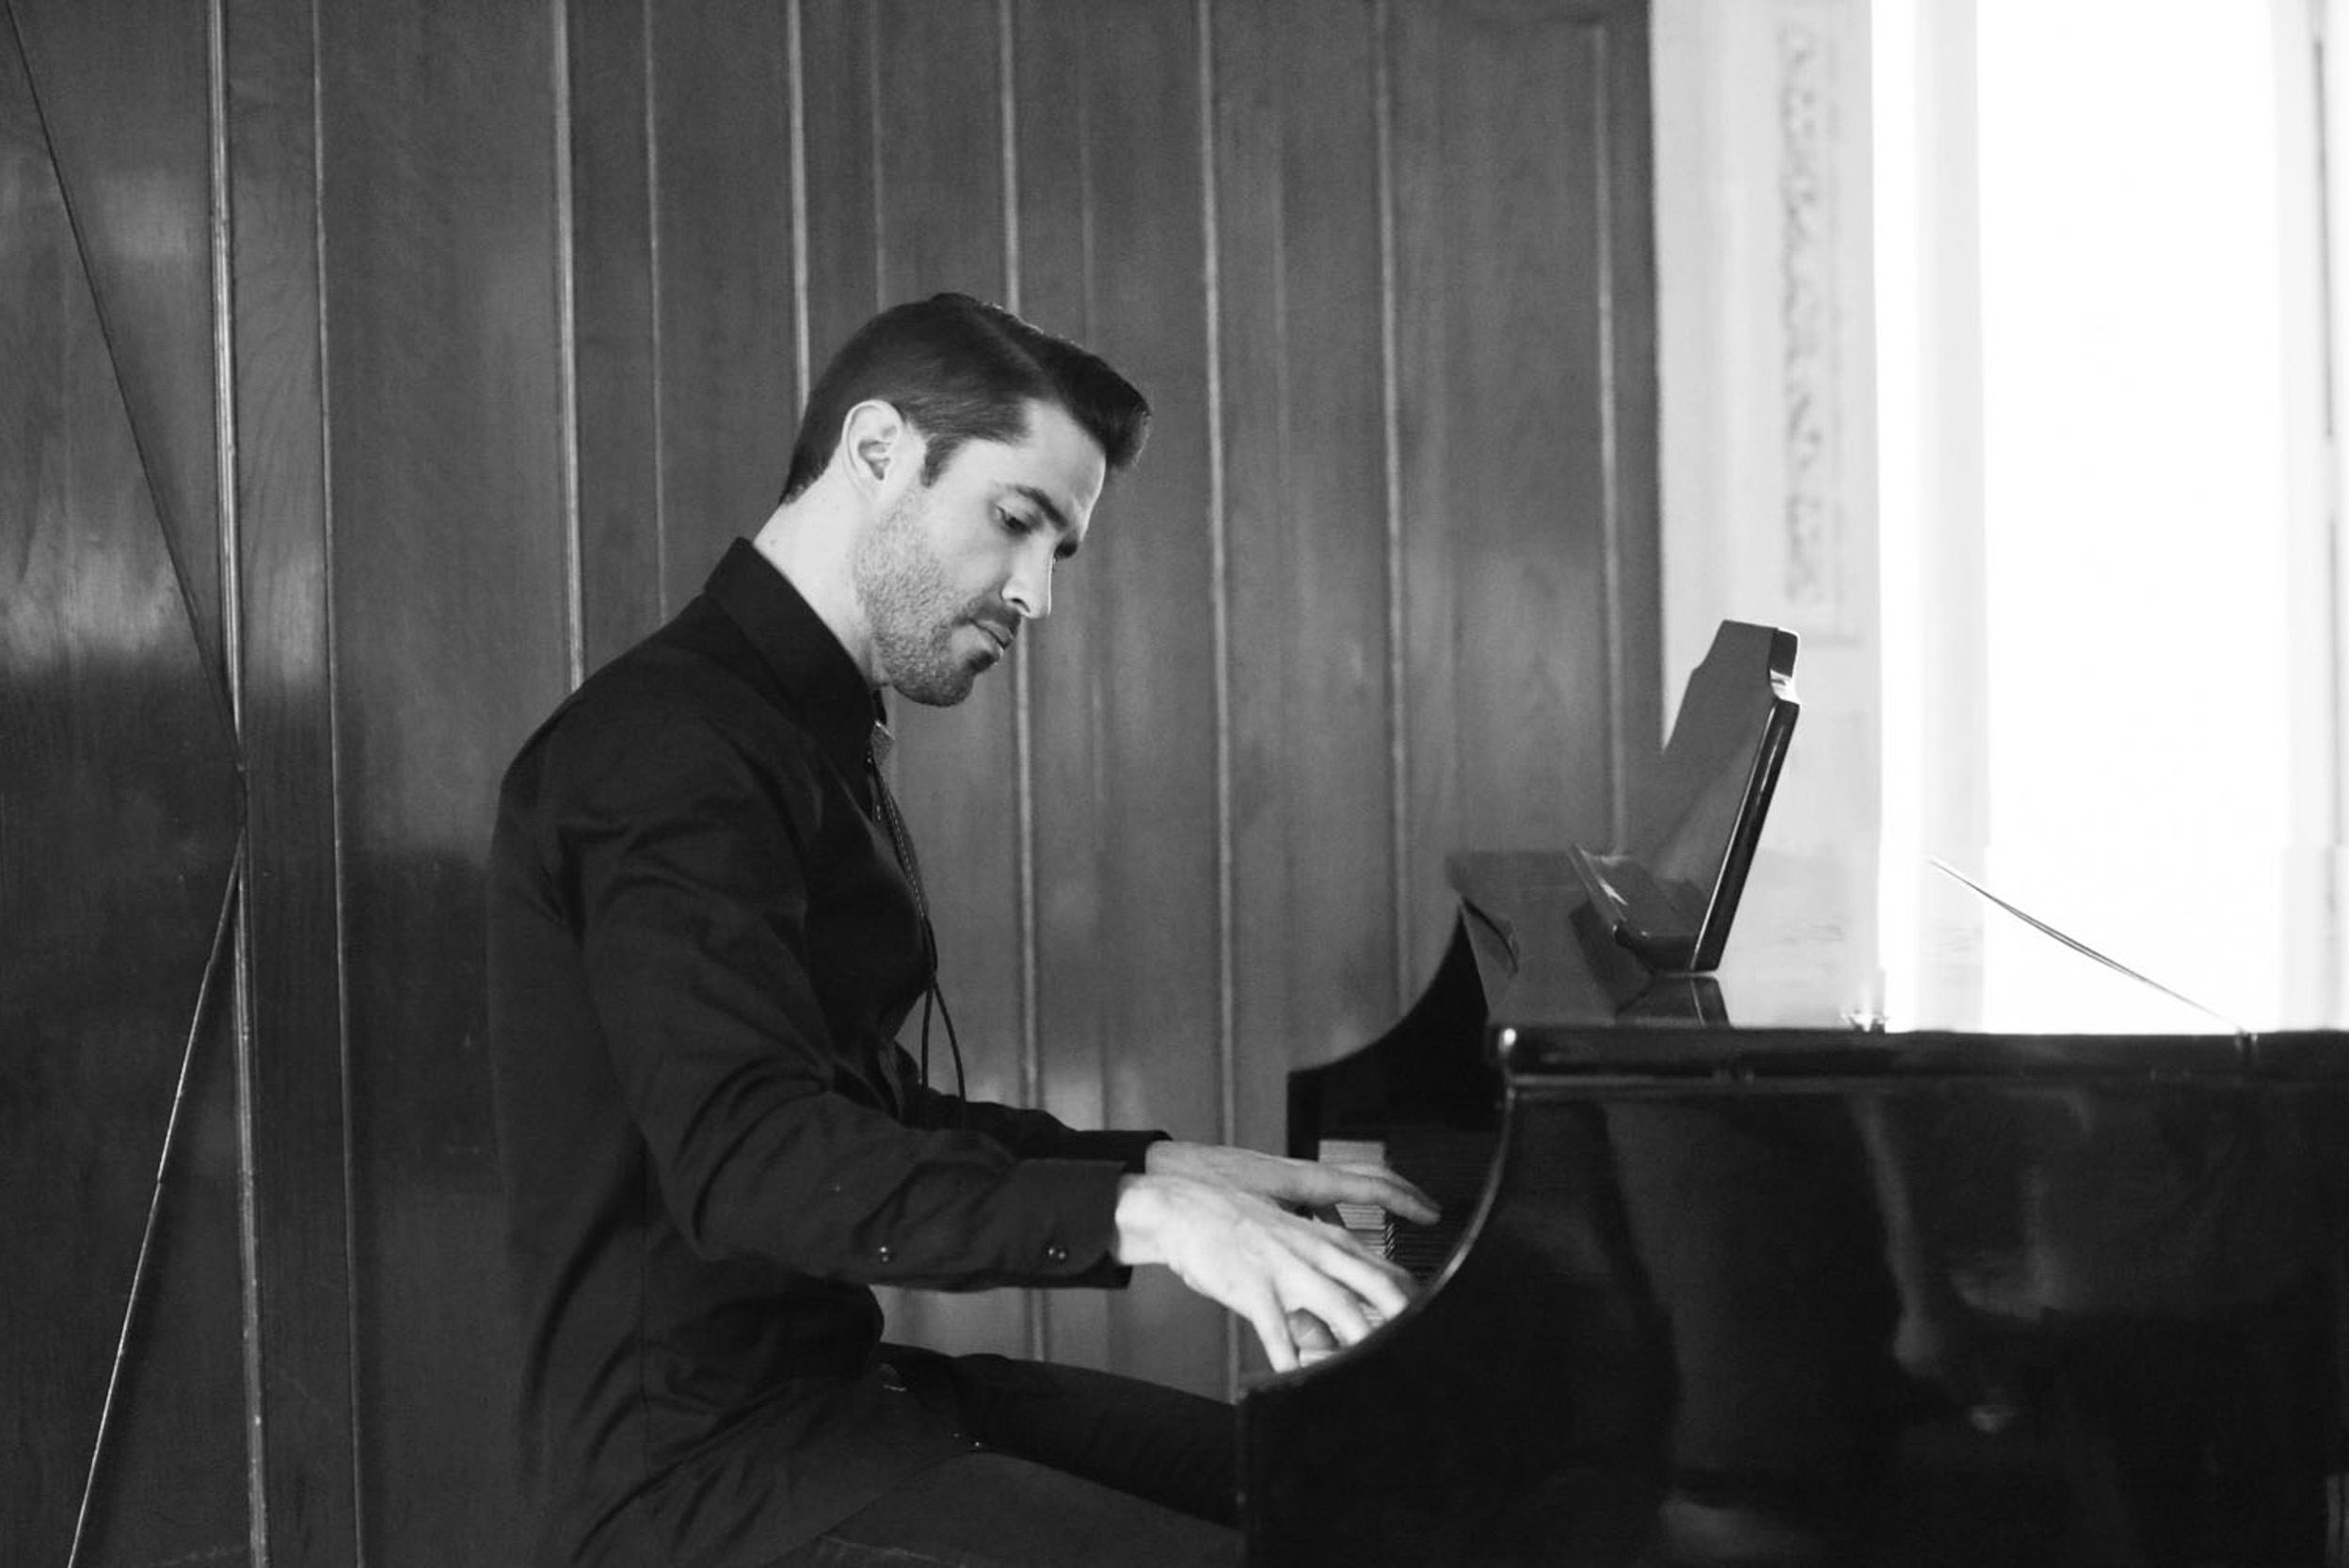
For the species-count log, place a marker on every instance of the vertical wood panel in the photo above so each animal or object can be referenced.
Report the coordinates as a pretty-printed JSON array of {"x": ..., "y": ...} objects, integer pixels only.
[
  {"x": 296, "y": 1059},
  {"x": 835, "y": 87},
  {"x": 1112, "y": 251},
  {"x": 610, "y": 154},
  {"x": 722, "y": 206},
  {"x": 1298, "y": 150},
  {"x": 450, "y": 639},
  {"x": 1511, "y": 504}
]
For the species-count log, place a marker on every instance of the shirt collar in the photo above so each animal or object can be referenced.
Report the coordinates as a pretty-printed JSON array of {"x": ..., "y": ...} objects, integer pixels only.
[{"x": 822, "y": 682}]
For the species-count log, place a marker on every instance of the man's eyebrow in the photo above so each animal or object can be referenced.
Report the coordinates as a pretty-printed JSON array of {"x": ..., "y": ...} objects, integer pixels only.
[{"x": 1045, "y": 505}]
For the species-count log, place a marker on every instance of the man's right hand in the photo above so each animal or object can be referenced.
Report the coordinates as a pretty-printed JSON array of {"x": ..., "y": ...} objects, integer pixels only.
[{"x": 1259, "y": 1261}]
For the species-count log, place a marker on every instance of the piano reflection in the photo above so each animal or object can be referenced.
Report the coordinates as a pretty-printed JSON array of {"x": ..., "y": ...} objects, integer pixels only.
[{"x": 2039, "y": 1265}]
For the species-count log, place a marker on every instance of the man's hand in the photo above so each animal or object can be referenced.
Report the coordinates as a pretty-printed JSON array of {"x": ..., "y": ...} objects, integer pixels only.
[
  {"x": 1299, "y": 1182},
  {"x": 1289, "y": 1277}
]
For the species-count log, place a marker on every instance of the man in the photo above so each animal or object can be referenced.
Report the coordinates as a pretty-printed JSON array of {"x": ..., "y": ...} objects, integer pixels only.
[{"x": 707, "y": 926}]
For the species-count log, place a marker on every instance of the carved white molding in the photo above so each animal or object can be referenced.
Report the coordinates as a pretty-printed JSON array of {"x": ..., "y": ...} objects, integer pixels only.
[{"x": 1810, "y": 224}]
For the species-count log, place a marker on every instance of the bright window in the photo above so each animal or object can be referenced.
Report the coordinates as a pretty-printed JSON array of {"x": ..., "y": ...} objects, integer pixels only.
[{"x": 2125, "y": 194}]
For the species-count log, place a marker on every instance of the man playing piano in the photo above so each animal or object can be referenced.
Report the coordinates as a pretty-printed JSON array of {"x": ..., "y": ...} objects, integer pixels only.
[{"x": 707, "y": 926}]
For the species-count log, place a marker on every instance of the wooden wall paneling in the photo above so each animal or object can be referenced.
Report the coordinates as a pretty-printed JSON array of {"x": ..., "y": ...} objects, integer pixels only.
[
  {"x": 728, "y": 389},
  {"x": 1529, "y": 635},
  {"x": 126, "y": 102},
  {"x": 1124, "y": 684},
  {"x": 172, "y": 1482},
  {"x": 451, "y": 641},
  {"x": 1304, "y": 388},
  {"x": 938, "y": 156},
  {"x": 297, "y": 1052},
  {"x": 834, "y": 92},
  {"x": 118, "y": 794},
  {"x": 124, "y": 95},
  {"x": 612, "y": 286}
]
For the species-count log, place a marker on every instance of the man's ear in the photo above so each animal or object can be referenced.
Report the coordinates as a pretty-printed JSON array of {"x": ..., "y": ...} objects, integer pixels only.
[{"x": 880, "y": 447}]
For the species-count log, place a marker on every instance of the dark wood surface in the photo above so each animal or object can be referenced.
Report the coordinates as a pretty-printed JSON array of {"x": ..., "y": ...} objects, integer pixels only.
[
  {"x": 124, "y": 100},
  {"x": 449, "y": 581},
  {"x": 1535, "y": 342},
  {"x": 615, "y": 371},
  {"x": 721, "y": 197},
  {"x": 1305, "y": 304},
  {"x": 119, "y": 835},
  {"x": 306, "y": 1426}
]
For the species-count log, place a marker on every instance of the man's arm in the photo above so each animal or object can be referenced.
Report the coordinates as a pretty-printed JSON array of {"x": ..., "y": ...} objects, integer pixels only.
[
  {"x": 1030, "y": 1134},
  {"x": 687, "y": 872}
]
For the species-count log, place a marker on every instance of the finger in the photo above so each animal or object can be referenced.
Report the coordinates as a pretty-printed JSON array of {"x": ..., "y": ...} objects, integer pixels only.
[
  {"x": 1309, "y": 1333},
  {"x": 1337, "y": 1306},
  {"x": 1384, "y": 1288},
  {"x": 1378, "y": 1185},
  {"x": 1264, "y": 1314}
]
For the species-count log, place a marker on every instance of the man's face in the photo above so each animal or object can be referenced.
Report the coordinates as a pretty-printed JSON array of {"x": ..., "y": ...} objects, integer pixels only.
[{"x": 947, "y": 574}]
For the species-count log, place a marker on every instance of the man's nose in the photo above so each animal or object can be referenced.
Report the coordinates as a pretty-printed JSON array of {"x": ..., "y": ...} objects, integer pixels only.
[{"x": 1030, "y": 590}]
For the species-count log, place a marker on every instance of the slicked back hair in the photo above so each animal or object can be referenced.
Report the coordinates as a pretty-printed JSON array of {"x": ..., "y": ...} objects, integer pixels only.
[{"x": 958, "y": 369}]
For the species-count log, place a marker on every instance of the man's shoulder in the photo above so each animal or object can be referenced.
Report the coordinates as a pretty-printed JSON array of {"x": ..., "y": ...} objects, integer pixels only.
[{"x": 661, "y": 703}]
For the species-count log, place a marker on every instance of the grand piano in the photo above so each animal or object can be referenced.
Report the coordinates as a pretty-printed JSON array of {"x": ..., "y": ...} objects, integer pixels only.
[{"x": 1969, "y": 1246}]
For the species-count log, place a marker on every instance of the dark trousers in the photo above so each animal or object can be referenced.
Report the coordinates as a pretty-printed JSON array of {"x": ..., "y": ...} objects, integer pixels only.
[{"x": 1069, "y": 1468}]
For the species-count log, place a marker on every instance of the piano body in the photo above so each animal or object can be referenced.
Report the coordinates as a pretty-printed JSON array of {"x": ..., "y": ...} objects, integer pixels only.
[{"x": 2042, "y": 1268}]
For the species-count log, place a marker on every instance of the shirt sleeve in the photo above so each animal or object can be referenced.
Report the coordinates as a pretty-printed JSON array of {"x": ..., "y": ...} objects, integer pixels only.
[
  {"x": 692, "y": 889},
  {"x": 1030, "y": 1134}
]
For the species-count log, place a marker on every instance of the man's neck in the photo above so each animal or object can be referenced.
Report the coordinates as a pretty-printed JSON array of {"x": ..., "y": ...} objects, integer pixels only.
[{"x": 809, "y": 539}]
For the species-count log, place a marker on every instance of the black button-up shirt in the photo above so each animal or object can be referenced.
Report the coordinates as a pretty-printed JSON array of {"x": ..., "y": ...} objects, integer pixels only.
[{"x": 701, "y": 947}]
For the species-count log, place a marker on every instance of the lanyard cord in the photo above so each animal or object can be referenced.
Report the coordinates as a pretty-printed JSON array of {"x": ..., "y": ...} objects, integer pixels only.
[{"x": 933, "y": 994}]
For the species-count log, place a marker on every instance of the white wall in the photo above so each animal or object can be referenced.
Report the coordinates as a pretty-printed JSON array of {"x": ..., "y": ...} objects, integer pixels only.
[{"x": 1763, "y": 216}]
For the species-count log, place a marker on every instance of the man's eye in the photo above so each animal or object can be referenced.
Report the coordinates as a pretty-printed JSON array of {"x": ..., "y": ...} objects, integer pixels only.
[{"x": 1014, "y": 522}]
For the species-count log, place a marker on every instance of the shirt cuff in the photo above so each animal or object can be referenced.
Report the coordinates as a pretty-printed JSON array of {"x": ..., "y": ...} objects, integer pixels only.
[{"x": 1069, "y": 1228}]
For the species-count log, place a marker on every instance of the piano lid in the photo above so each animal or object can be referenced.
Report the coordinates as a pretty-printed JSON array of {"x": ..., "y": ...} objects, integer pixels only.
[{"x": 2188, "y": 963}]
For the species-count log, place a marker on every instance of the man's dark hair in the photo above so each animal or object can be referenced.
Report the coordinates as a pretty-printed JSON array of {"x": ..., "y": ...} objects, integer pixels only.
[{"x": 961, "y": 369}]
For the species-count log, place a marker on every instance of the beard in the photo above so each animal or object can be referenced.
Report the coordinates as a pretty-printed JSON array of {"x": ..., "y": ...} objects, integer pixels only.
[{"x": 912, "y": 611}]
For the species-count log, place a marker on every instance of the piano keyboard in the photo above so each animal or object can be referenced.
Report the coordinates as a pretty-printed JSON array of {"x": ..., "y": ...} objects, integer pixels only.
[{"x": 1449, "y": 1166}]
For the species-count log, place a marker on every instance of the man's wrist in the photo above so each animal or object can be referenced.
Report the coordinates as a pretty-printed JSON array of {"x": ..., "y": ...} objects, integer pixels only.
[{"x": 1140, "y": 1202}]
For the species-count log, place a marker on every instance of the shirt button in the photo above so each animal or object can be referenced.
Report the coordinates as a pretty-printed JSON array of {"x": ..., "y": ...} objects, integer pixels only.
[
  {"x": 1056, "y": 1254},
  {"x": 882, "y": 1253}
]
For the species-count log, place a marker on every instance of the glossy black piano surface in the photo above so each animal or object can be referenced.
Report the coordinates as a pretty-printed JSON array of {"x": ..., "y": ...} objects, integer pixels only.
[{"x": 1950, "y": 1246}]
